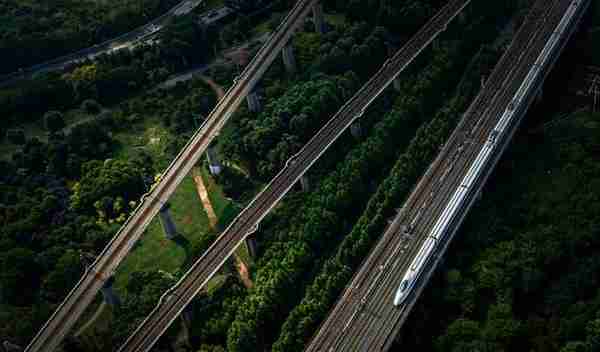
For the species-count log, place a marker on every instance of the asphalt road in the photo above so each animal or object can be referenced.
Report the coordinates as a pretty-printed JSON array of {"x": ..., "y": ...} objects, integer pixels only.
[{"x": 127, "y": 40}]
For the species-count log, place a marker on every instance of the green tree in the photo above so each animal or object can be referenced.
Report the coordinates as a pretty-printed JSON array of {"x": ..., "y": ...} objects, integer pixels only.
[
  {"x": 19, "y": 276},
  {"x": 54, "y": 121}
]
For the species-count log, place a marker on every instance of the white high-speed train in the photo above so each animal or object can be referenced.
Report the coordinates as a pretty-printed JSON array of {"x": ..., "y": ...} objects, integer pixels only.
[
  {"x": 510, "y": 116},
  {"x": 414, "y": 271}
]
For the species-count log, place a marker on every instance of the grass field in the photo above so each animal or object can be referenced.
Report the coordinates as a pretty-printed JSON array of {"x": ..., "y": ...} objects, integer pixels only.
[{"x": 154, "y": 251}]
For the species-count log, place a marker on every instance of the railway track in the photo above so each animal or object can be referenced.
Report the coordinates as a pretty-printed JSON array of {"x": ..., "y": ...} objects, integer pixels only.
[
  {"x": 65, "y": 316},
  {"x": 339, "y": 320},
  {"x": 367, "y": 320},
  {"x": 174, "y": 300}
]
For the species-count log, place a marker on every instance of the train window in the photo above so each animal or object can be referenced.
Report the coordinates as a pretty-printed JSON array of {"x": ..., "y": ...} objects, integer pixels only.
[{"x": 403, "y": 285}]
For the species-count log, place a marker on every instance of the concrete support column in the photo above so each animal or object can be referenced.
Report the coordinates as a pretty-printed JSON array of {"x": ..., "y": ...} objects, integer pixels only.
[
  {"x": 397, "y": 84},
  {"x": 391, "y": 50},
  {"x": 304, "y": 183},
  {"x": 289, "y": 61},
  {"x": 187, "y": 314},
  {"x": 251, "y": 245},
  {"x": 482, "y": 81},
  {"x": 539, "y": 95},
  {"x": 11, "y": 347},
  {"x": 355, "y": 129},
  {"x": 166, "y": 221},
  {"x": 462, "y": 16},
  {"x": 108, "y": 294},
  {"x": 436, "y": 44},
  {"x": 318, "y": 18},
  {"x": 214, "y": 164},
  {"x": 253, "y": 101}
]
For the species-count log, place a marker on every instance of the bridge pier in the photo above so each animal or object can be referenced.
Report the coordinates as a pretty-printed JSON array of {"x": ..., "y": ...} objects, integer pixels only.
[
  {"x": 355, "y": 129},
  {"x": 482, "y": 81},
  {"x": 214, "y": 164},
  {"x": 188, "y": 314},
  {"x": 251, "y": 246},
  {"x": 318, "y": 18},
  {"x": 397, "y": 84},
  {"x": 391, "y": 50},
  {"x": 304, "y": 183},
  {"x": 166, "y": 221},
  {"x": 253, "y": 101},
  {"x": 436, "y": 44},
  {"x": 539, "y": 95},
  {"x": 289, "y": 61},
  {"x": 11, "y": 347},
  {"x": 462, "y": 16},
  {"x": 108, "y": 294}
]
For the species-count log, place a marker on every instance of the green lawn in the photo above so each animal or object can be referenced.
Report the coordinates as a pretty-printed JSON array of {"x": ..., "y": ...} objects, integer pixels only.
[
  {"x": 149, "y": 135},
  {"x": 154, "y": 251}
]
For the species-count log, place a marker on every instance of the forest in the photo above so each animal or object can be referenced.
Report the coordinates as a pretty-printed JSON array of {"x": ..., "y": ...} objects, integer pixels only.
[
  {"x": 32, "y": 32},
  {"x": 79, "y": 149}
]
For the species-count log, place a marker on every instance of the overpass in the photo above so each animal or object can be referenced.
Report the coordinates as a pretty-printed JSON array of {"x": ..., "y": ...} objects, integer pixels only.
[
  {"x": 126, "y": 40},
  {"x": 102, "y": 269},
  {"x": 365, "y": 317},
  {"x": 174, "y": 301}
]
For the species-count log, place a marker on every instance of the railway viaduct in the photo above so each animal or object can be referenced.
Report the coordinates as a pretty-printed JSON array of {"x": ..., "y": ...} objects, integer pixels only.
[
  {"x": 174, "y": 301},
  {"x": 365, "y": 317}
]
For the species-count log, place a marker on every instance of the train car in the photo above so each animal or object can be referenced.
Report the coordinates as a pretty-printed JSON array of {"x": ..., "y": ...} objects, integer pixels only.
[{"x": 415, "y": 270}]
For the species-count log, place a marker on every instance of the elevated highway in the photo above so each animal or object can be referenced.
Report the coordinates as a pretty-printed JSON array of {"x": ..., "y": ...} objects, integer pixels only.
[
  {"x": 173, "y": 302},
  {"x": 365, "y": 317},
  {"x": 65, "y": 316}
]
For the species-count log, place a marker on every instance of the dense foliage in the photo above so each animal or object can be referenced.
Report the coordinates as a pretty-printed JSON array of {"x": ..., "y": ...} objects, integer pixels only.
[
  {"x": 526, "y": 276},
  {"x": 66, "y": 194},
  {"x": 332, "y": 208}
]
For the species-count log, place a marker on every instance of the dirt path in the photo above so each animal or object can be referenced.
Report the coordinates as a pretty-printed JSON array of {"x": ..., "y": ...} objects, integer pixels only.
[
  {"x": 240, "y": 265},
  {"x": 203, "y": 193},
  {"x": 243, "y": 271}
]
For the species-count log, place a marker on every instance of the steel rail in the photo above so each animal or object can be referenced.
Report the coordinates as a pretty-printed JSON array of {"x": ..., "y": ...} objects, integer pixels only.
[
  {"x": 175, "y": 299},
  {"x": 381, "y": 331},
  {"x": 523, "y": 107},
  {"x": 435, "y": 162},
  {"x": 489, "y": 126},
  {"x": 331, "y": 325},
  {"x": 65, "y": 316}
]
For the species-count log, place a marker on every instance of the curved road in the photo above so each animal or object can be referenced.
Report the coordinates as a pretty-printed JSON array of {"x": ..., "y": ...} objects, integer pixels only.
[{"x": 126, "y": 40}]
